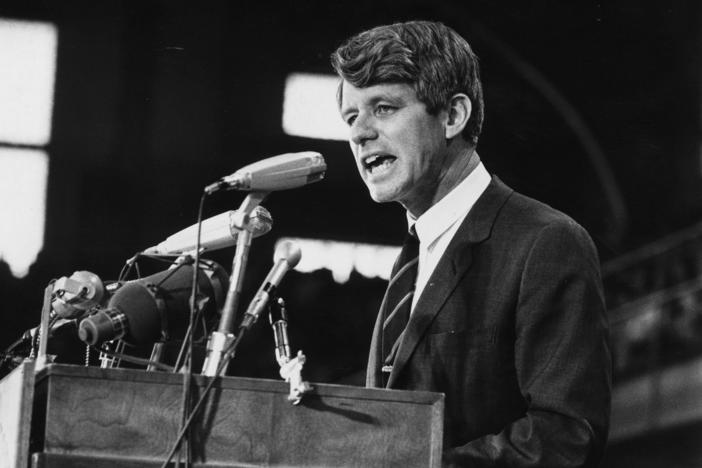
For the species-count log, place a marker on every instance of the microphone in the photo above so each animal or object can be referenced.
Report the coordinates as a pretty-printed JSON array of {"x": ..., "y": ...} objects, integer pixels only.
[
  {"x": 157, "y": 307},
  {"x": 217, "y": 232},
  {"x": 286, "y": 256},
  {"x": 278, "y": 318},
  {"x": 282, "y": 172},
  {"x": 76, "y": 294}
]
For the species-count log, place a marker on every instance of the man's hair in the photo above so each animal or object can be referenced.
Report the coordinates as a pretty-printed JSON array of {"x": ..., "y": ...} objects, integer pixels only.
[{"x": 430, "y": 56}]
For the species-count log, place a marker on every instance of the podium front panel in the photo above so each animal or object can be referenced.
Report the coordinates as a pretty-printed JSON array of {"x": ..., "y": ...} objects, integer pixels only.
[{"x": 134, "y": 416}]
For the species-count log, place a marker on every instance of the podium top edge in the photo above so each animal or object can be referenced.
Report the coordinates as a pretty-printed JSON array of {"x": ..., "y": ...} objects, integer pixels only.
[{"x": 235, "y": 383}]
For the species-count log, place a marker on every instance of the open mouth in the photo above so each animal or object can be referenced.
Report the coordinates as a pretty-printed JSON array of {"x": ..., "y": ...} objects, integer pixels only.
[{"x": 378, "y": 162}]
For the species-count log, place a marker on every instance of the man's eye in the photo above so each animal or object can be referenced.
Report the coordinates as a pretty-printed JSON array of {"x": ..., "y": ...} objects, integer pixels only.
[
  {"x": 384, "y": 109},
  {"x": 350, "y": 120}
]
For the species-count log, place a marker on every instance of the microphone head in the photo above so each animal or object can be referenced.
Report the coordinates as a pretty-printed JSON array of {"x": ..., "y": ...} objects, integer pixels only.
[
  {"x": 261, "y": 221},
  {"x": 288, "y": 251},
  {"x": 217, "y": 232},
  {"x": 282, "y": 172},
  {"x": 76, "y": 294}
]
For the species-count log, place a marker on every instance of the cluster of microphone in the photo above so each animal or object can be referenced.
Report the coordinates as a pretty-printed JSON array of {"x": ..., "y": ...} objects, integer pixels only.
[
  {"x": 154, "y": 308},
  {"x": 157, "y": 308},
  {"x": 135, "y": 311}
]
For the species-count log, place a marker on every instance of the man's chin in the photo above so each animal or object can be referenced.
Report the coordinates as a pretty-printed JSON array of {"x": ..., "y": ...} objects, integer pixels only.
[{"x": 380, "y": 196}]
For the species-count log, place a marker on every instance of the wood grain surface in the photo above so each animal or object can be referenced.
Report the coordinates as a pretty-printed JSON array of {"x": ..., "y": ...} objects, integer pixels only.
[{"x": 134, "y": 416}]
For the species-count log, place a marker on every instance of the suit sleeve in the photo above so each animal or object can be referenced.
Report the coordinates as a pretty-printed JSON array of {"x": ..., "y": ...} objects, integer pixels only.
[{"x": 562, "y": 361}]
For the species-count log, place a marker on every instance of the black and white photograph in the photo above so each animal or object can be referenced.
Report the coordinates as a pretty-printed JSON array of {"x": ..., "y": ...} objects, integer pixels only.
[{"x": 350, "y": 234}]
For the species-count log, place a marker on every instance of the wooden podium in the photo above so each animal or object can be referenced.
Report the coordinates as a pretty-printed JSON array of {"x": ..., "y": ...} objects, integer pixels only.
[{"x": 92, "y": 417}]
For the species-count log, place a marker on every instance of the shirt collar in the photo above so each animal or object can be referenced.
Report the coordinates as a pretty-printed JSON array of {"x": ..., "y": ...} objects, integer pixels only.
[{"x": 451, "y": 208}]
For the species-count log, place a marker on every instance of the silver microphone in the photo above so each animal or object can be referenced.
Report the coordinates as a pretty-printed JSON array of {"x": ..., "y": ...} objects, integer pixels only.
[
  {"x": 282, "y": 172},
  {"x": 217, "y": 232},
  {"x": 278, "y": 318},
  {"x": 75, "y": 295}
]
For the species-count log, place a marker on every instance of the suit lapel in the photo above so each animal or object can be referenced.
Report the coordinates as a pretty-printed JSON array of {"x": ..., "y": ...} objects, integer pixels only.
[
  {"x": 373, "y": 374},
  {"x": 454, "y": 263}
]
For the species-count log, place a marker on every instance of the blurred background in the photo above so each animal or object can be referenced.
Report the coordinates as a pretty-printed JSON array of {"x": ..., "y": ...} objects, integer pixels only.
[{"x": 114, "y": 115}]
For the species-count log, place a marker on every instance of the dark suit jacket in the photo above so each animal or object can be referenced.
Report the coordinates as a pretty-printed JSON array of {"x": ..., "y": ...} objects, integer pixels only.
[{"x": 512, "y": 328}]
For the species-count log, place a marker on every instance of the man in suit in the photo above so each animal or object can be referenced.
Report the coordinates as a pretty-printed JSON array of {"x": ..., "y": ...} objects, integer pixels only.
[{"x": 503, "y": 311}]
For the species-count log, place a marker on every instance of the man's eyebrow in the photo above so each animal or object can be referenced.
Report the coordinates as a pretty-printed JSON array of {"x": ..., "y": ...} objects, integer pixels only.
[
  {"x": 344, "y": 111},
  {"x": 386, "y": 97},
  {"x": 373, "y": 100}
]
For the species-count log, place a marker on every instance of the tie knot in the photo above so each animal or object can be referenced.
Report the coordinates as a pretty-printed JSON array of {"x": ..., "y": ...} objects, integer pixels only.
[{"x": 410, "y": 250}]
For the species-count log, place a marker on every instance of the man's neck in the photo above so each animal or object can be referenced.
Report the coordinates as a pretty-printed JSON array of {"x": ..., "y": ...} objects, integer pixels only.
[{"x": 461, "y": 164}]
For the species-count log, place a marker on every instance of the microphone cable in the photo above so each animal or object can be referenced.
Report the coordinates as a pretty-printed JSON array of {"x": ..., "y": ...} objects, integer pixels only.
[
  {"x": 229, "y": 352},
  {"x": 188, "y": 345}
]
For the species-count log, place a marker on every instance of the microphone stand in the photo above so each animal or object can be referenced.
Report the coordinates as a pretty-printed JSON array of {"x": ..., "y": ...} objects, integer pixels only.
[
  {"x": 43, "y": 334},
  {"x": 220, "y": 341}
]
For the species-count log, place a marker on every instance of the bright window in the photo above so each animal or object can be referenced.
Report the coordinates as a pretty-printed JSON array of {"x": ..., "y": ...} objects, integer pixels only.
[
  {"x": 23, "y": 175},
  {"x": 27, "y": 74},
  {"x": 310, "y": 109}
]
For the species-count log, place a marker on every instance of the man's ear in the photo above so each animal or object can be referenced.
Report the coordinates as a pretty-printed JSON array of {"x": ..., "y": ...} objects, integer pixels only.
[{"x": 459, "y": 110}]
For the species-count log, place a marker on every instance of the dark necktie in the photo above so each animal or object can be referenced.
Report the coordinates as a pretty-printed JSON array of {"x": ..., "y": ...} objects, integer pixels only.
[{"x": 397, "y": 302}]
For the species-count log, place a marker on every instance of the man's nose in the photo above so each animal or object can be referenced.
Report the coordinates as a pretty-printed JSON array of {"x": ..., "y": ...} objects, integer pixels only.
[{"x": 362, "y": 130}]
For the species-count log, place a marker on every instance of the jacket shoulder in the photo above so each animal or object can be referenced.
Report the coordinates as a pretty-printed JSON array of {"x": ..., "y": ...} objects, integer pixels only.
[{"x": 528, "y": 212}]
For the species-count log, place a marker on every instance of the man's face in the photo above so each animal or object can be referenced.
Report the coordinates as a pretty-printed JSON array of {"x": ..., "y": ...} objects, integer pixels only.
[{"x": 400, "y": 149}]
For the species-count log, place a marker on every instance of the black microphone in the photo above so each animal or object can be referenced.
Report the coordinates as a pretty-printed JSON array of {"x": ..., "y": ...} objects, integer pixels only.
[
  {"x": 282, "y": 172},
  {"x": 286, "y": 256},
  {"x": 217, "y": 232},
  {"x": 157, "y": 307}
]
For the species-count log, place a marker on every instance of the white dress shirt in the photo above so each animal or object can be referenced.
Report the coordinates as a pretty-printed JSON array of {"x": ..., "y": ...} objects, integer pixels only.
[{"x": 436, "y": 227}]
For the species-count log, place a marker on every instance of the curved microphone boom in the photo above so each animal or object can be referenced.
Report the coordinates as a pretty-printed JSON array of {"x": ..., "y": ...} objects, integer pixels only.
[
  {"x": 155, "y": 308},
  {"x": 282, "y": 172},
  {"x": 287, "y": 255},
  {"x": 217, "y": 232}
]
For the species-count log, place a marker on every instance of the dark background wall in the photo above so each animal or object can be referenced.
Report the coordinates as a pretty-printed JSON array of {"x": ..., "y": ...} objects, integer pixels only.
[{"x": 592, "y": 107}]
